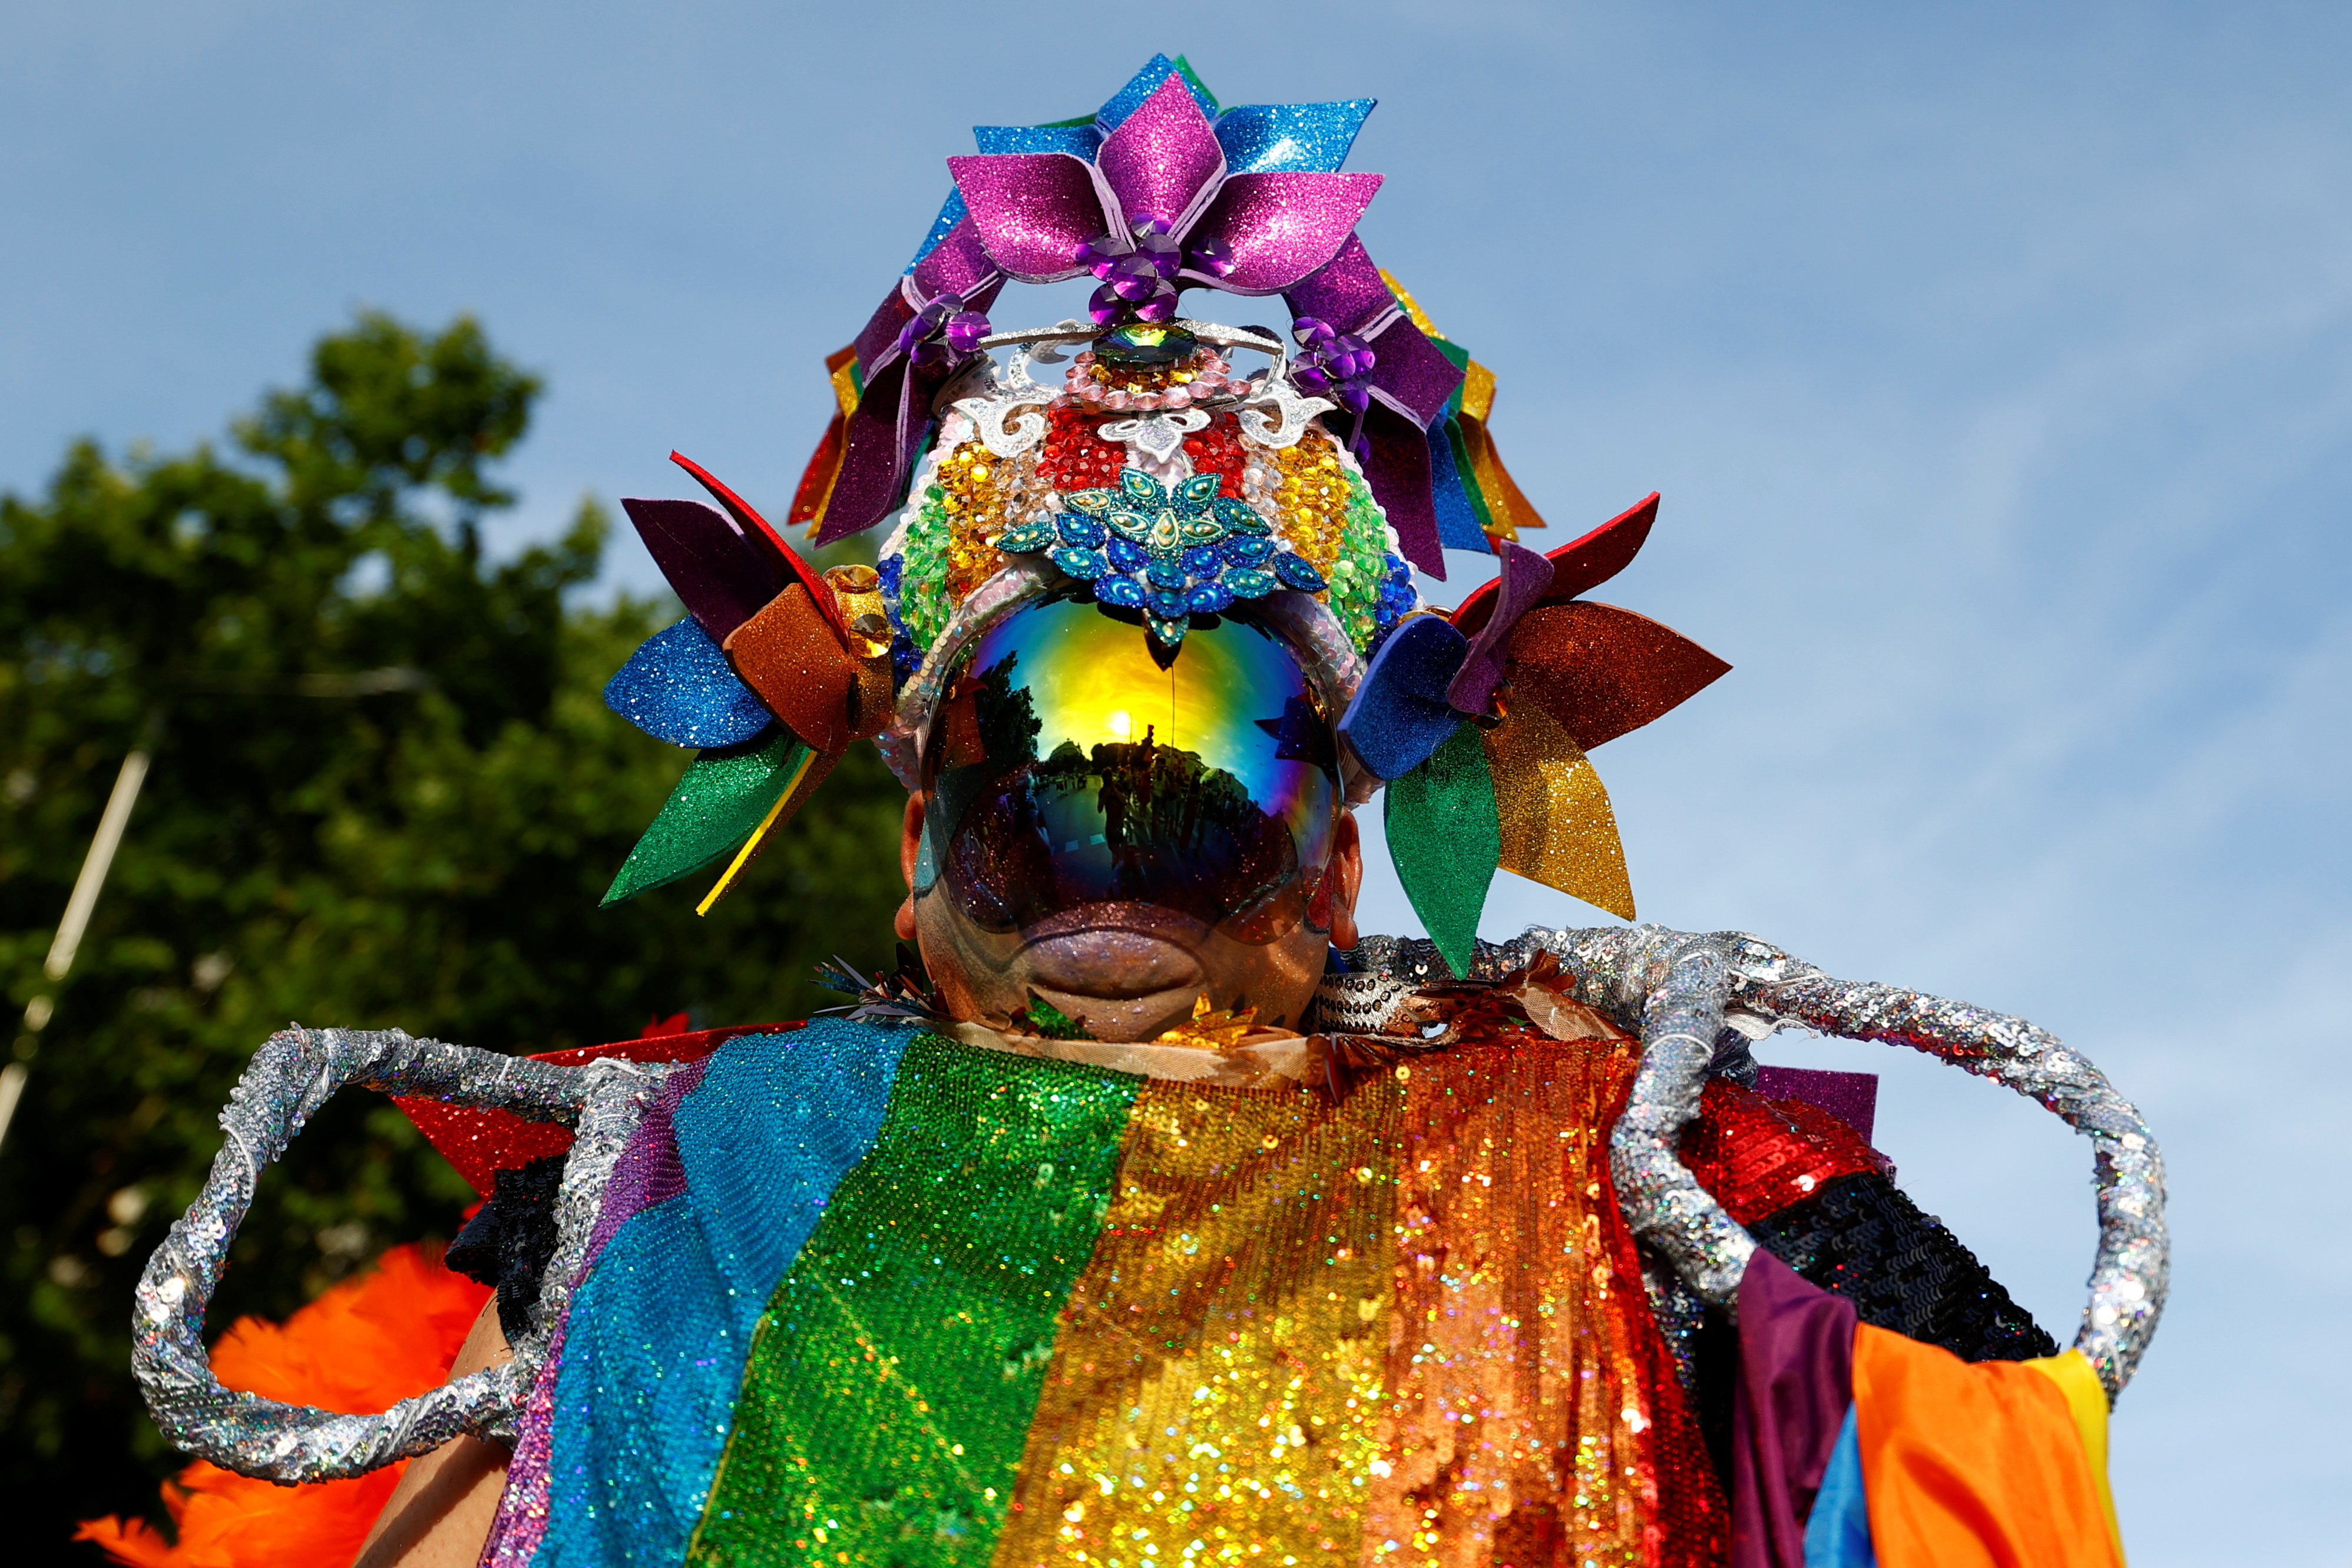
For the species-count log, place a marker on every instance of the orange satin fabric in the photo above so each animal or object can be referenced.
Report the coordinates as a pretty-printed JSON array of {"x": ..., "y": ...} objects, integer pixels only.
[{"x": 1972, "y": 1465}]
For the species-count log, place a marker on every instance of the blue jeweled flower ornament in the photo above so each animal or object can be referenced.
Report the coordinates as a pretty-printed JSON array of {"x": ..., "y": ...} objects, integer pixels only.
[{"x": 1171, "y": 554}]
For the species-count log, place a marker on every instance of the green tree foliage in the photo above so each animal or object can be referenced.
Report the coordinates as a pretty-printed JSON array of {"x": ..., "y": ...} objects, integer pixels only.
[{"x": 385, "y": 792}]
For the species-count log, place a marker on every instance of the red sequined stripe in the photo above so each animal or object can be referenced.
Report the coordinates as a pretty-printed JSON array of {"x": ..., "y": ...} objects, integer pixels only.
[
  {"x": 1218, "y": 450},
  {"x": 1758, "y": 1155},
  {"x": 1074, "y": 458}
]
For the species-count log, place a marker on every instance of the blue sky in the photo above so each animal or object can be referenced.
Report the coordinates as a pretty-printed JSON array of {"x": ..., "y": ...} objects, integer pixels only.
[{"x": 1992, "y": 360}]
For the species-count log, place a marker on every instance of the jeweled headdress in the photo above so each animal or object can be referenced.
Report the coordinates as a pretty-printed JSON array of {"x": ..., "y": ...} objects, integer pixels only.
[{"x": 1172, "y": 471}]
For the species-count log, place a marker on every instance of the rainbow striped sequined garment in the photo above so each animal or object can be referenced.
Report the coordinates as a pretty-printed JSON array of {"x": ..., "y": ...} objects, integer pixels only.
[{"x": 872, "y": 1296}]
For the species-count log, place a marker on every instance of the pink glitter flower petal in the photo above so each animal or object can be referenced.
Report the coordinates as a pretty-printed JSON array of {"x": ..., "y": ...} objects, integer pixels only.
[
  {"x": 1033, "y": 210},
  {"x": 1164, "y": 159},
  {"x": 1282, "y": 226}
]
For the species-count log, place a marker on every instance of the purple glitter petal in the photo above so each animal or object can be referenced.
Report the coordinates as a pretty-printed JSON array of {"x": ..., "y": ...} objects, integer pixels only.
[
  {"x": 1347, "y": 291},
  {"x": 1032, "y": 210},
  {"x": 1280, "y": 227},
  {"x": 1164, "y": 159},
  {"x": 1525, "y": 577},
  {"x": 958, "y": 264}
]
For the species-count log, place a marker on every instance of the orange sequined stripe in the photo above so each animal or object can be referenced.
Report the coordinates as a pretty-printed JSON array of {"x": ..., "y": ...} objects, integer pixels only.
[
  {"x": 1214, "y": 1394},
  {"x": 1534, "y": 1415}
]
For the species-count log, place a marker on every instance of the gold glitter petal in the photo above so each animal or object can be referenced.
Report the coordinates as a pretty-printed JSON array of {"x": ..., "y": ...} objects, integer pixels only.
[{"x": 1558, "y": 826}]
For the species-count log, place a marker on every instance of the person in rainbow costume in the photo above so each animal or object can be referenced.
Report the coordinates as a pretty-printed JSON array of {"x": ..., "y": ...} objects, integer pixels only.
[{"x": 1148, "y": 1212}]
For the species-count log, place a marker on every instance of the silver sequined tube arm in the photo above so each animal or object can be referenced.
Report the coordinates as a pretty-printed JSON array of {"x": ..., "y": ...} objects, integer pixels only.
[
  {"x": 1662, "y": 1200},
  {"x": 2131, "y": 1273},
  {"x": 1647, "y": 980},
  {"x": 289, "y": 1078}
]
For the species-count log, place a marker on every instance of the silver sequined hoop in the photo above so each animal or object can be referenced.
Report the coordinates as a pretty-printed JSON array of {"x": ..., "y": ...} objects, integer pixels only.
[
  {"x": 1692, "y": 995},
  {"x": 289, "y": 1078}
]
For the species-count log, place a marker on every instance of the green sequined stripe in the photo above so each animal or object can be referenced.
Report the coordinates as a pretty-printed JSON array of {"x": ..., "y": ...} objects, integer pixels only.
[{"x": 894, "y": 1373}]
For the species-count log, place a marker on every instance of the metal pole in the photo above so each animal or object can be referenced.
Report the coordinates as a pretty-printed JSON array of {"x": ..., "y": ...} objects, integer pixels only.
[{"x": 79, "y": 907}]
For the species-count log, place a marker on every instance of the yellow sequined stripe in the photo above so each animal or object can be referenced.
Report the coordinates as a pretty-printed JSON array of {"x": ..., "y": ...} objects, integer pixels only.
[{"x": 1214, "y": 1396}]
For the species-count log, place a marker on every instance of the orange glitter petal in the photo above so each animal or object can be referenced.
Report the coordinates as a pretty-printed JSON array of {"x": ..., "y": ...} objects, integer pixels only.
[{"x": 1602, "y": 671}]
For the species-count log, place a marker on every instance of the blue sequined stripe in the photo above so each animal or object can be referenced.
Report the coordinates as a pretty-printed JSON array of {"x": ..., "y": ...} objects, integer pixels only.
[{"x": 659, "y": 1331}]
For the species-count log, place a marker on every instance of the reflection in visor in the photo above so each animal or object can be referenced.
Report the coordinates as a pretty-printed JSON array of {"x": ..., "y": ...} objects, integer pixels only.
[{"x": 1068, "y": 768}]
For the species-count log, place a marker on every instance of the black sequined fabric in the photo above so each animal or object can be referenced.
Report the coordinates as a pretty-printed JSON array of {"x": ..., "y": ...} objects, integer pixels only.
[
  {"x": 507, "y": 1242},
  {"x": 1861, "y": 1238}
]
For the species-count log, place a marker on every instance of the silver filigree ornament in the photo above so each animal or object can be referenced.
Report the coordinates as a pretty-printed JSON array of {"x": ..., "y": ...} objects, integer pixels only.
[
  {"x": 1290, "y": 414},
  {"x": 1697, "y": 998},
  {"x": 1158, "y": 434},
  {"x": 289, "y": 1078}
]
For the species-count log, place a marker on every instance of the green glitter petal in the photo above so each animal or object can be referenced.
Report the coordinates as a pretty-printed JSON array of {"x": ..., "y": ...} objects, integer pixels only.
[
  {"x": 894, "y": 1375},
  {"x": 1445, "y": 839},
  {"x": 716, "y": 806}
]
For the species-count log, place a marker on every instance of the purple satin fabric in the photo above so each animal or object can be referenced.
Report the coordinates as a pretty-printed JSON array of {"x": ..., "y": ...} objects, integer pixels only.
[
  {"x": 647, "y": 1172},
  {"x": 1161, "y": 157},
  {"x": 1526, "y": 578},
  {"x": 1795, "y": 1382}
]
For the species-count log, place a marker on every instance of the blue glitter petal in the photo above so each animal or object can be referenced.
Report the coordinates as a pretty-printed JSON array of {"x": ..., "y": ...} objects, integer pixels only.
[
  {"x": 1084, "y": 565},
  {"x": 1141, "y": 489},
  {"x": 1165, "y": 574},
  {"x": 1124, "y": 592},
  {"x": 1277, "y": 138},
  {"x": 1078, "y": 140},
  {"x": 1208, "y": 598},
  {"x": 1251, "y": 582},
  {"x": 1126, "y": 555},
  {"x": 1296, "y": 572},
  {"x": 1246, "y": 549},
  {"x": 1165, "y": 605},
  {"x": 1082, "y": 530},
  {"x": 1202, "y": 560},
  {"x": 1143, "y": 84},
  {"x": 677, "y": 686}
]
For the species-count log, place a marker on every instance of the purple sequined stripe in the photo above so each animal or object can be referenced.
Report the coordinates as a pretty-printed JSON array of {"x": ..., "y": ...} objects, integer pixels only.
[{"x": 647, "y": 1172}]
